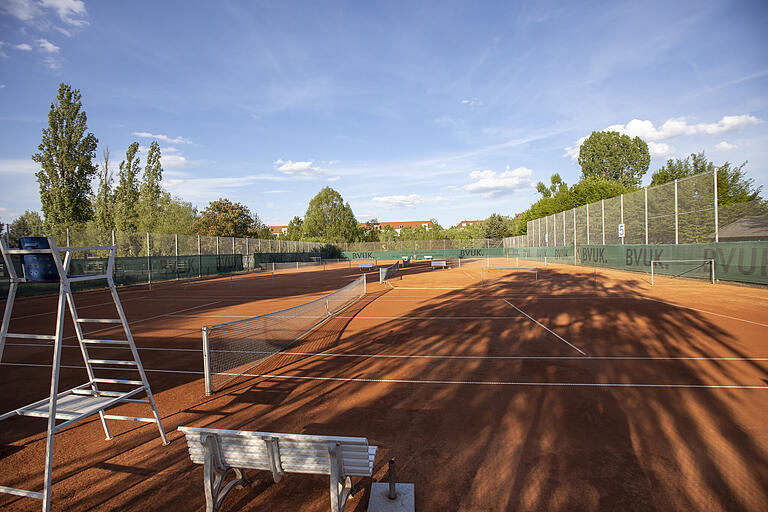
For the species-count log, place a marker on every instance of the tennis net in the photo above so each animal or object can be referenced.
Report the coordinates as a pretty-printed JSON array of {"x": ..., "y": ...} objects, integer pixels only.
[
  {"x": 693, "y": 269},
  {"x": 231, "y": 349},
  {"x": 388, "y": 272}
]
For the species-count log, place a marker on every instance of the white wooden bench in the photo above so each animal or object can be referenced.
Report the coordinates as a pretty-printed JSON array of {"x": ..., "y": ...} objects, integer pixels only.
[
  {"x": 438, "y": 263},
  {"x": 427, "y": 258},
  {"x": 365, "y": 265},
  {"x": 221, "y": 450}
]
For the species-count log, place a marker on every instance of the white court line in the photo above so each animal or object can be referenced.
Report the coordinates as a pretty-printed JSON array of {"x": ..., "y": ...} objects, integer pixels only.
[
  {"x": 370, "y": 317},
  {"x": 547, "y": 328},
  {"x": 133, "y": 322},
  {"x": 425, "y": 381},
  {"x": 53, "y": 313},
  {"x": 446, "y": 356},
  {"x": 708, "y": 312}
]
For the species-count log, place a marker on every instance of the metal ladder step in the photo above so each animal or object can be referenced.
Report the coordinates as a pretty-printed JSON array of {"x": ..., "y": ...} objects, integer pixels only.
[
  {"x": 31, "y": 336},
  {"x": 118, "y": 381},
  {"x": 21, "y": 492},
  {"x": 99, "y": 320},
  {"x": 113, "y": 361},
  {"x": 106, "y": 342}
]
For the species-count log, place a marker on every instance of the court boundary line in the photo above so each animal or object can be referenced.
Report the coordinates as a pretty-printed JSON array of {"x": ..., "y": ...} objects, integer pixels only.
[
  {"x": 444, "y": 382},
  {"x": 708, "y": 312},
  {"x": 370, "y": 317},
  {"x": 434, "y": 356},
  {"x": 548, "y": 329}
]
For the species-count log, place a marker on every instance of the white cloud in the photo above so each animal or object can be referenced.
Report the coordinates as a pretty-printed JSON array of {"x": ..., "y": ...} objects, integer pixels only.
[
  {"x": 69, "y": 11},
  {"x": 399, "y": 201},
  {"x": 18, "y": 166},
  {"x": 24, "y": 47},
  {"x": 164, "y": 138},
  {"x": 174, "y": 161},
  {"x": 472, "y": 102},
  {"x": 658, "y": 149},
  {"x": 490, "y": 183},
  {"x": 2, "y": 86},
  {"x": 725, "y": 146},
  {"x": 670, "y": 129},
  {"x": 298, "y": 168},
  {"x": 334, "y": 178},
  {"x": 47, "y": 47}
]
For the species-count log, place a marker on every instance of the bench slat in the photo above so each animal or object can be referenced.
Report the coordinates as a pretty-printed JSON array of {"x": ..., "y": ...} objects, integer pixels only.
[{"x": 223, "y": 433}]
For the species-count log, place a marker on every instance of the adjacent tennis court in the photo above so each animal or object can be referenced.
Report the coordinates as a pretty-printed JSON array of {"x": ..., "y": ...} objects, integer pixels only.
[{"x": 495, "y": 385}]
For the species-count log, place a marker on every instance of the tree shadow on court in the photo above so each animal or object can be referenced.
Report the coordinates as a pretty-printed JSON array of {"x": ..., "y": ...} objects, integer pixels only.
[{"x": 482, "y": 407}]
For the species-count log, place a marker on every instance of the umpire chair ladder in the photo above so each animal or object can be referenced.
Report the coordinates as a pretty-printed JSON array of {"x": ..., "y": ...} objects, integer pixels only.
[{"x": 90, "y": 398}]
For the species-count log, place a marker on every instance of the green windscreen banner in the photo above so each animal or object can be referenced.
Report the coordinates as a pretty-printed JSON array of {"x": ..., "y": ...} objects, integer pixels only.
[{"x": 742, "y": 262}]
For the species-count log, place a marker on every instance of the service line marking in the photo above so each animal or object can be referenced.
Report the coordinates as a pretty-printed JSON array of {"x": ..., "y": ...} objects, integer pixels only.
[
  {"x": 370, "y": 317},
  {"x": 707, "y": 312},
  {"x": 547, "y": 328},
  {"x": 133, "y": 322},
  {"x": 444, "y": 382}
]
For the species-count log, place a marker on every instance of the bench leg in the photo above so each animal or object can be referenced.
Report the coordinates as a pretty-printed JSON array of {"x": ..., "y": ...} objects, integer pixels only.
[
  {"x": 341, "y": 486},
  {"x": 214, "y": 473}
]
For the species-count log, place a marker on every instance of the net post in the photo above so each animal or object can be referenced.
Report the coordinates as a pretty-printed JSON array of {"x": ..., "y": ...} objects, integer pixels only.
[
  {"x": 482, "y": 276},
  {"x": 365, "y": 284},
  {"x": 207, "y": 362},
  {"x": 713, "y": 271}
]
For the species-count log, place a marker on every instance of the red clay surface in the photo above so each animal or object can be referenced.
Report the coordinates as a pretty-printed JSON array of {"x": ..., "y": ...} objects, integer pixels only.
[{"x": 570, "y": 393}]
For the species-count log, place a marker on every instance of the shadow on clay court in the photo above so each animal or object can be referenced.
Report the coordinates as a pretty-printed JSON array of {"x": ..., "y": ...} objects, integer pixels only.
[{"x": 526, "y": 443}]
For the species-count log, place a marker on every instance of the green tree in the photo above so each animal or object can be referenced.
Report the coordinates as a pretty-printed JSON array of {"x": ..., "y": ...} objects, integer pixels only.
[
  {"x": 498, "y": 226},
  {"x": 151, "y": 191},
  {"x": 27, "y": 224},
  {"x": 225, "y": 218},
  {"x": 104, "y": 200},
  {"x": 295, "y": 229},
  {"x": 614, "y": 156},
  {"x": 66, "y": 155},
  {"x": 126, "y": 214},
  {"x": 330, "y": 218},
  {"x": 177, "y": 216}
]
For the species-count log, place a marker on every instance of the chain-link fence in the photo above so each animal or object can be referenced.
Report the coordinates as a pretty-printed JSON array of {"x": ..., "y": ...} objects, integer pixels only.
[{"x": 684, "y": 211}]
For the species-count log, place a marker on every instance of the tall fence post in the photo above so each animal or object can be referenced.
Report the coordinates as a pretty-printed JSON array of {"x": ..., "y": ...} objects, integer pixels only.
[
  {"x": 677, "y": 235},
  {"x": 113, "y": 237},
  {"x": 574, "y": 236},
  {"x": 602, "y": 215},
  {"x": 564, "y": 241},
  {"x": 217, "y": 245},
  {"x": 622, "y": 217},
  {"x": 149, "y": 264},
  {"x": 176, "y": 250},
  {"x": 587, "y": 223},
  {"x": 248, "y": 252},
  {"x": 646, "y": 215},
  {"x": 67, "y": 236},
  {"x": 546, "y": 230},
  {"x": 199, "y": 259},
  {"x": 717, "y": 207}
]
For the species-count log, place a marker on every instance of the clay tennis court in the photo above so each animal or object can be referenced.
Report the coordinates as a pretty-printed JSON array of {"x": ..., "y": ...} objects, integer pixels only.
[{"x": 556, "y": 389}]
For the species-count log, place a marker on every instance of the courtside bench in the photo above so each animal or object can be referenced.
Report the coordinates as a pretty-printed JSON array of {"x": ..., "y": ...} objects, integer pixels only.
[
  {"x": 438, "y": 264},
  {"x": 221, "y": 450},
  {"x": 365, "y": 265}
]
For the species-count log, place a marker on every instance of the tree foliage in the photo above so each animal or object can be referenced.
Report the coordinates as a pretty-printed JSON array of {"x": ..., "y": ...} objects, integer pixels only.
[
  {"x": 66, "y": 155},
  {"x": 27, "y": 224},
  {"x": 225, "y": 218},
  {"x": 733, "y": 185},
  {"x": 330, "y": 218},
  {"x": 126, "y": 215},
  {"x": 614, "y": 156},
  {"x": 295, "y": 229},
  {"x": 151, "y": 191},
  {"x": 103, "y": 203}
]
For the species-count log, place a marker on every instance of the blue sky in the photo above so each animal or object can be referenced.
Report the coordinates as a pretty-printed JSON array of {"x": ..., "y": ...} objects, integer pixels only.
[{"x": 411, "y": 110}]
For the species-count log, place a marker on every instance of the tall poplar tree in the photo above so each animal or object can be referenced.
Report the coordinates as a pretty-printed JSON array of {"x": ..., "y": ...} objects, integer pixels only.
[
  {"x": 151, "y": 191},
  {"x": 127, "y": 191},
  {"x": 66, "y": 155},
  {"x": 103, "y": 202}
]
